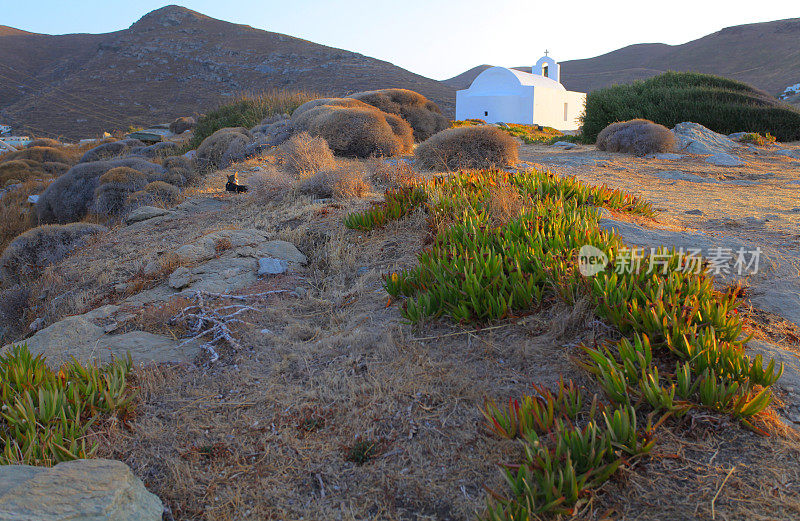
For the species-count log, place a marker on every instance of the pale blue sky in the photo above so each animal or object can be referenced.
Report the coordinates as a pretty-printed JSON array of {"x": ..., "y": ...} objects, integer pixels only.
[{"x": 436, "y": 38}]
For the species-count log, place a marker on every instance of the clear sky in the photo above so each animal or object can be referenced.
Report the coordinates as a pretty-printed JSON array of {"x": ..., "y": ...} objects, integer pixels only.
[{"x": 436, "y": 38}]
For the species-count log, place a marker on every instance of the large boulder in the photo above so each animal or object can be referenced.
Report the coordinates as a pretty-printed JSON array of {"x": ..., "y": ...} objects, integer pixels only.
[
  {"x": 79, "y": 490},
  {"x": 693, "y": 138},
  {"x": 223, "y": 147}
]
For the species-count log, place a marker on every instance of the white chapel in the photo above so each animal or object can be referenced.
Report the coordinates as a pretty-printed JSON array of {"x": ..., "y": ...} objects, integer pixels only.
[{"x": 506, "y": 95}]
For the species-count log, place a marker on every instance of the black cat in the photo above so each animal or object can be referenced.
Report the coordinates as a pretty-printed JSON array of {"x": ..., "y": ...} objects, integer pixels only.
[{"x": 233, "y": 184}]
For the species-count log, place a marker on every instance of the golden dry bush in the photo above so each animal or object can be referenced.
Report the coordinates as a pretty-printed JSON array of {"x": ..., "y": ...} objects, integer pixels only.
[
  {"x": 424, "y": 116},
  {"x": 504, "y": 204},
  {"x": 270, "y": 184},
  {"x": 304, "y": 155},
  {"x": 483, "y": 146},
  {"x": 637, "y": 136},
  {"x": 345, "y": 181},
  {"x": 354, "y": 128}
]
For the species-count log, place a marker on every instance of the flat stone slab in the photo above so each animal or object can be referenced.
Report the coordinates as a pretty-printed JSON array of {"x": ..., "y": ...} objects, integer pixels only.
[
  {"x": 144, "y": 213},
  {"x": 677, "y": 175},
  {"x": 80, "y": 337},
  {"x": 80, "y": 490},
  {"x": 723, "y": 159},
  {"x": 665, "y": 156},
  {"x": 271, "y": 266},
  {"x": 775, "y": 288}
]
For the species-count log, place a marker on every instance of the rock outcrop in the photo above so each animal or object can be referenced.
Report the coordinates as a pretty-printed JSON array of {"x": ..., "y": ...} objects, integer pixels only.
[{"x": 80, "y": 490}]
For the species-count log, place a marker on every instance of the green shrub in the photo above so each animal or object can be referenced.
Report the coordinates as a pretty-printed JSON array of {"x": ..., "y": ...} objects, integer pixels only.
[
  {"x": 483, "y": 146},
  {"x": 637, "y": 136},
  {"x": 47, "y": 415},
  {"x": 754, "y": 138},
  {"x": 722, "y": 105},
  {"x": 248, "y": 110}
]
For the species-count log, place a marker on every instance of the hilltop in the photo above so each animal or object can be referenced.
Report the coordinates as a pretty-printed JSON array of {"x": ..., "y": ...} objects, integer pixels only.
[
  {"x": 170, "y": 63},
  {"x": 761, "y": 54}
]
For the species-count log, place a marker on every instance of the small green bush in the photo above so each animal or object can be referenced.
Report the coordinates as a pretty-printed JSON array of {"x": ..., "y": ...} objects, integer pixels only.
[
  {"x": 722, "y": 105},
  {"x": 47, "y": 415},
  {"x": 248, "y": 110}
]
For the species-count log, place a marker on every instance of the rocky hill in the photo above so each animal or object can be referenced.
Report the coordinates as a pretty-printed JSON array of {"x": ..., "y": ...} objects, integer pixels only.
[
  {"x": 765, "y": 55},
  {"x": 170, "y": 63}
]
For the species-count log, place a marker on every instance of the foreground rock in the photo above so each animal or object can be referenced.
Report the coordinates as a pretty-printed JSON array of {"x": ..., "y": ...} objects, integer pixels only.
[
  {"x": 693, "y": 138},
  {"x": 775, "y": 287},
  {"x": 81, "y": 490},
  {"x": 85, "y": 338}
]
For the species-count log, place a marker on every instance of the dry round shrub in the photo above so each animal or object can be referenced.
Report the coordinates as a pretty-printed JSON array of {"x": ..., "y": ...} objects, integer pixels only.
[
  {"x": 39, "y": 247},
  {"x": 354, "y": 128},
  {"x": 306, "y": 155},
  {"x": 423, "y": 115},
  {"x": 137, "y": 199},
  {"x": 162, "y": 149},
  {"x": 43, "y": 142},
  {"x": 637, "y": 136},
  {"x": 55, "y": 168},
  {"x": 162, "y": 192},
  {"x": 482, "y": 146},
  {"x": 345, "y": 181},
  {"x": 181, "y": 171},
  {"x": 110, "y": 150},
  {"x": 41, "y": 155},
  {"x": 115, "y": 185},
  {"x": 223, "y": 147},
  {"x": 70, "y": 197},
  {"x": 270, "y": 184},
  {"x": 14, "y": 303},
  {"x": 181, "y": 125},
  {"x": 19, "y": 171}
]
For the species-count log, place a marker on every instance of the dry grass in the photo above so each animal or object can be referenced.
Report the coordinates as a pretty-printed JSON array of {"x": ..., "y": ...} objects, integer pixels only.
[
  {"x": 391, "y": 174},
  {"x": 346, "y": 180},
  {"x": 505, "y": 203},
  {"x": 304, "y": 155},
  {"x": 267, "y": 432}
]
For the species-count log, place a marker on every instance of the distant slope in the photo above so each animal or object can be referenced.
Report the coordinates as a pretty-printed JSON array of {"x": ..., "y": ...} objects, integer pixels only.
[
  {"x": 170, "y": 63},
  {"x": 765, "y": 55}
]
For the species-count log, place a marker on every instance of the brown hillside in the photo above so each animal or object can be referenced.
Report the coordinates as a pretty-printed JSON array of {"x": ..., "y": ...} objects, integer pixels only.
[
  {"x": 170, "y": 63},
  {"x": 765, "y": 55}
]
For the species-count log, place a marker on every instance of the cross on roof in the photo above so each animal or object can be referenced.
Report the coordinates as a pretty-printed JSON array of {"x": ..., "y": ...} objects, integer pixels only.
[{"x": 546, "y": 52}]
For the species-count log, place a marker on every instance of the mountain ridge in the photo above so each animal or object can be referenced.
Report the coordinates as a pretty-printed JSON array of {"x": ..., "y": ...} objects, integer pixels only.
[
  {"x": 763, "y": 54},
  {"x": 172, "y": 62}
]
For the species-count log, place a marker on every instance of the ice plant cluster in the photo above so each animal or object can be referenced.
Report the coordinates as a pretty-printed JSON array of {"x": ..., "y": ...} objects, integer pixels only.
[
  {"x": 45, "y": 415},
  {"x": 682, "y": 344}
]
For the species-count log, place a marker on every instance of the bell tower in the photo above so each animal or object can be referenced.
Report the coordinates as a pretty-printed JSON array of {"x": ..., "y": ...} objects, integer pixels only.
[{"x": 547, "y": 67}]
